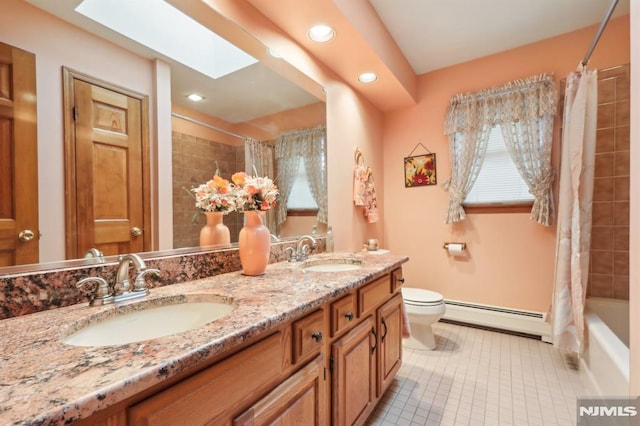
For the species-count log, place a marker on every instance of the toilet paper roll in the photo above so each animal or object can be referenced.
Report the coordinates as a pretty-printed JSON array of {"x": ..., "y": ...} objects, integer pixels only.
[{"x": 455, "y": 249}]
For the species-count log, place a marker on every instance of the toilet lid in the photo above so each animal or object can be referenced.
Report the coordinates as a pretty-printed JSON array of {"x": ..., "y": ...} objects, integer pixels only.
[{"x": 421, "y": 296}]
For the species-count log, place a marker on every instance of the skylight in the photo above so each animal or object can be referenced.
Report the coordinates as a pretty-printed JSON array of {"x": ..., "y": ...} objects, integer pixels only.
[{"x": 163, "y": 28}]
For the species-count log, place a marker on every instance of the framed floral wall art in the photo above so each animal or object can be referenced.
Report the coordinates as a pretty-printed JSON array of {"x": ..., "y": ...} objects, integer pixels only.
[{"x": 420, "y": 170}]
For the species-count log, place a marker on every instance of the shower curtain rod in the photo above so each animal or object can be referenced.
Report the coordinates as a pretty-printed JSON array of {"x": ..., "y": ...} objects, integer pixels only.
[
  {"x": 201, "y": 123},
  {"x": 605, "y": 20}
]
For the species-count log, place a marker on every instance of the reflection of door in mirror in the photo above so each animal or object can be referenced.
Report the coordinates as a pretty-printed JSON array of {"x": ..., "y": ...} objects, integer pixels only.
[
  {"x": 18, "y": 158},
  {"x": 106, "y": 153}
]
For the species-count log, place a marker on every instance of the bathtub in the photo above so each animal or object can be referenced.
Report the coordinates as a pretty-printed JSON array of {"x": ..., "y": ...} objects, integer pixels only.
[{"x": 606, "y": 357}]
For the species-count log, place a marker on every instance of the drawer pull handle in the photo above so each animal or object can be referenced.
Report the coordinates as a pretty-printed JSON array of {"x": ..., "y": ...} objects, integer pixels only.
[
  {"x": 401, "y": 280},
  {"x": 317, "y": 336},
  {"x": 349, "y": 316}
]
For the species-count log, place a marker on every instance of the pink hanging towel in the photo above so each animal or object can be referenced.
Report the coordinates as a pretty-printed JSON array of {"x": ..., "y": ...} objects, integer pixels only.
[
  {"x": 359, "y": 180},
  {"x": 371, "y": 203}
]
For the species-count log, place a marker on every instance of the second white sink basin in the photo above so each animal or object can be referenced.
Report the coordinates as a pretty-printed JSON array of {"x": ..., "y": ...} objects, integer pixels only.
[
  {"x": 332, "y": 264},
  {"x": 147, "y": 323},
  {"x": 333, "y": 267}
]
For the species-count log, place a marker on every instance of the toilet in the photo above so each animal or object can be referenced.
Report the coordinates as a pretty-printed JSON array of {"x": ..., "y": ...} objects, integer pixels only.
[{"x": 423, "y": 307}]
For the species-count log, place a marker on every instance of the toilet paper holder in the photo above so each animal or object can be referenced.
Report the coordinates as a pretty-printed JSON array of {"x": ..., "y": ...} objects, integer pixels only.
[{"x": 446, "y": 245}]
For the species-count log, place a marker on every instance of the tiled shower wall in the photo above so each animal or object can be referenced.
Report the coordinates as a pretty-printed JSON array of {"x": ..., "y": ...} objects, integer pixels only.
[
  {"x": 609, "y": 269},
  {"x": 194, "y": 162}
]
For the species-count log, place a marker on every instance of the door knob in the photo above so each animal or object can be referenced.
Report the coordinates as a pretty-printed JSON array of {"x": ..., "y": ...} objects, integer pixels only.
[
  {"x": 136, "y": 232},
  {"x": 26, "y": 235}
]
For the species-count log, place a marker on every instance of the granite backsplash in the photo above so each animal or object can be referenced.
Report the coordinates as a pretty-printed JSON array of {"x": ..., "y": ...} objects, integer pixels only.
[{"x": 27, "y": 292}]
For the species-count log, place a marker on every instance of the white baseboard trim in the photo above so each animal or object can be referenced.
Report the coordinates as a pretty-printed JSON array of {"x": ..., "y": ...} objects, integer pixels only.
[{"x": 514, "y": 320}]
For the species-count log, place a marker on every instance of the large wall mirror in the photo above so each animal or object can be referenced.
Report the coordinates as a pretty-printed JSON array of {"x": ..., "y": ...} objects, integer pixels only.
[{"x": 252, "y": 97}]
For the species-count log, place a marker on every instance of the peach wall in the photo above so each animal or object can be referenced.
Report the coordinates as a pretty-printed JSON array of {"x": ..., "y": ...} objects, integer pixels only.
[
  {"x": 352, "y": 122},
  {"x": 56, "y": 44},
  {"x": 510, "y": 260},
  {"x": 634, "y": 232}
]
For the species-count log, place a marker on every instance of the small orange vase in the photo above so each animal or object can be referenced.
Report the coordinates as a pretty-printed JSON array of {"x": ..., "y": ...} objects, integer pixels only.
[
  {"x": 214, "y": 232},
  {"x": 254, "y": 244}
]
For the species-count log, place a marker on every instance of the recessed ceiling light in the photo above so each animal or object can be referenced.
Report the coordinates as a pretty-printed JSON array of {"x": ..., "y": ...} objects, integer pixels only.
[
  {"x": 273, "y": 53},
  {"x": 195, "y": 97},
  {"x": 321, "y": 33},
  {"x": 367, "y": 77}
]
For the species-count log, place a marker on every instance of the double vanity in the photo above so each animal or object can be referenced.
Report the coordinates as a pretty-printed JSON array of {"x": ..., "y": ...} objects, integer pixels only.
[{"x": 313, "y": 342}]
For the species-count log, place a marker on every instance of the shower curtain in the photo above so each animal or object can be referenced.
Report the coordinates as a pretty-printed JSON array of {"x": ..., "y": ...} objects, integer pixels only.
[{"x": 574, "y": 211}]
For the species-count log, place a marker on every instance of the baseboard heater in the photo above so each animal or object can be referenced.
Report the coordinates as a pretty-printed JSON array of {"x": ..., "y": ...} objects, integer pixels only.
[{"x": 515, "y": 321}]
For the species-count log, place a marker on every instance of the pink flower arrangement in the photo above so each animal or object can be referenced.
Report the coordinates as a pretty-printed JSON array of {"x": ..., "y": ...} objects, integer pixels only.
[
  {"x": 254, "y": 193},
  {"x": 216, "y": 195},
  {"x": 244, "y": 194}
]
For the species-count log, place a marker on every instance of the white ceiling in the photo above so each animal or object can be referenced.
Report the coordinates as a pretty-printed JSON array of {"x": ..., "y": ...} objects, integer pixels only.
[
  {"x": 251, "y": 92},
  {"x": 433, "y": 34}
]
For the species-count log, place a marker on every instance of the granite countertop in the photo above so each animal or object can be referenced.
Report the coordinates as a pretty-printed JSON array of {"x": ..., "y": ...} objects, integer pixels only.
[{"x": 44, "y": 381}]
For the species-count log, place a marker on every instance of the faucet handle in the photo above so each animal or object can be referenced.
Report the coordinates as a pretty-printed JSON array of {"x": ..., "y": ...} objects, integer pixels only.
[
  {"x": 140, "y": 284},
  {"x": 101, "y": 292},
  {"x": 292, "y": 254}
]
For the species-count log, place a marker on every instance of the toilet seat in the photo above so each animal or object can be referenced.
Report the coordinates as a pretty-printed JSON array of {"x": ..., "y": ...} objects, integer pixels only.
[{"x": 421, "y": 297}]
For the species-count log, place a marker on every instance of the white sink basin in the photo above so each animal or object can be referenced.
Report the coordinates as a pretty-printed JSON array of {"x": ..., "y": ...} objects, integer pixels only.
[
  {"x": 127, "y": 326},
  {"x": 332, "y": 264},
  {"x": 333, "y": 267}
]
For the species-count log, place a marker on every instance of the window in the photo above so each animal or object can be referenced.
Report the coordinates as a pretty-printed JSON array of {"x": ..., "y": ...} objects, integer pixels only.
[
  {"x": 498, "y": 182},
  {"x": 300, "y": 197}
]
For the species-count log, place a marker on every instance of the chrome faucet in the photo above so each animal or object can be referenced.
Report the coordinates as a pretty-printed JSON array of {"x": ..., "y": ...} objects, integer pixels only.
[
  {"x": 94, "y": 253},
  {"x": 123, "y": 285},
  {"x": 103, "y": 293},
  {"x": 302, "y": 248}
]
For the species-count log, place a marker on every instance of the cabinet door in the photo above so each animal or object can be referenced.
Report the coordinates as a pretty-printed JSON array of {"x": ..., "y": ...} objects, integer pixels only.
[
  {"x": 353, "y": 376},
  {"x": 390, "y": 346},
  {"x": 299, "y": 400}
]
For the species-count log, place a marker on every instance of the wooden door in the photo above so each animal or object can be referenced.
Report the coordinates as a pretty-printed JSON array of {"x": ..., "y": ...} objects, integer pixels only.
[
  {"x": 108, "y": 175},
  {"x": 19, "y": 232},
  {"x": 390, "y": 347},
  {"x": 353, "y": 379}
]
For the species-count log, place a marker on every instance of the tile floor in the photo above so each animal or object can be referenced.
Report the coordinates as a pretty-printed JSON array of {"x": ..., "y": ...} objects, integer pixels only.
[{"x": 480, "y": 377}]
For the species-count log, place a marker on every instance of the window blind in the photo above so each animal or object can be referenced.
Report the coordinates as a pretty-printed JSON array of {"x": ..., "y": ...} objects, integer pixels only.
[
  {"x": 300, "y": 196},
  {"x": 499, "y": 182}
]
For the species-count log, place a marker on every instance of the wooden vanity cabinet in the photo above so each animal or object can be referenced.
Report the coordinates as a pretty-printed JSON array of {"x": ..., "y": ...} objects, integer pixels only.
[
  {"x": 330, "y": 366},
  {"x": 365, "y": 360}
]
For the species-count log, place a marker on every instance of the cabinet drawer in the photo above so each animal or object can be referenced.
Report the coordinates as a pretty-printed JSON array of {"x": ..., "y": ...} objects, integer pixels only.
[
  {"x": 308, "y": 335},
  {"x": 396, "y": 279},
  {"x": 373, "y": 294},
  {"x": 210, "y": 396},
  {"x": 343, "y": 313},
  {"x": 299, "y": 400}
]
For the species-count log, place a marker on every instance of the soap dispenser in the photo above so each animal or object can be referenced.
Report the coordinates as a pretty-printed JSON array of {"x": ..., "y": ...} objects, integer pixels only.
[{"x": 329, "y": 239}]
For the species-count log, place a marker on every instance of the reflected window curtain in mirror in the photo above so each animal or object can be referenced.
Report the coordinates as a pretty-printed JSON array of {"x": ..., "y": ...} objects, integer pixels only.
[
  {"x": 310, "y": 146},
  {"x": 259, "y": 161}
]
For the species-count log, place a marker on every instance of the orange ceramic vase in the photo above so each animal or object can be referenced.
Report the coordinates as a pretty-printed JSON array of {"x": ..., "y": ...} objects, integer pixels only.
[
  {"x": 214, "y": 232},
  {"x": 254, "y": 244}
]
